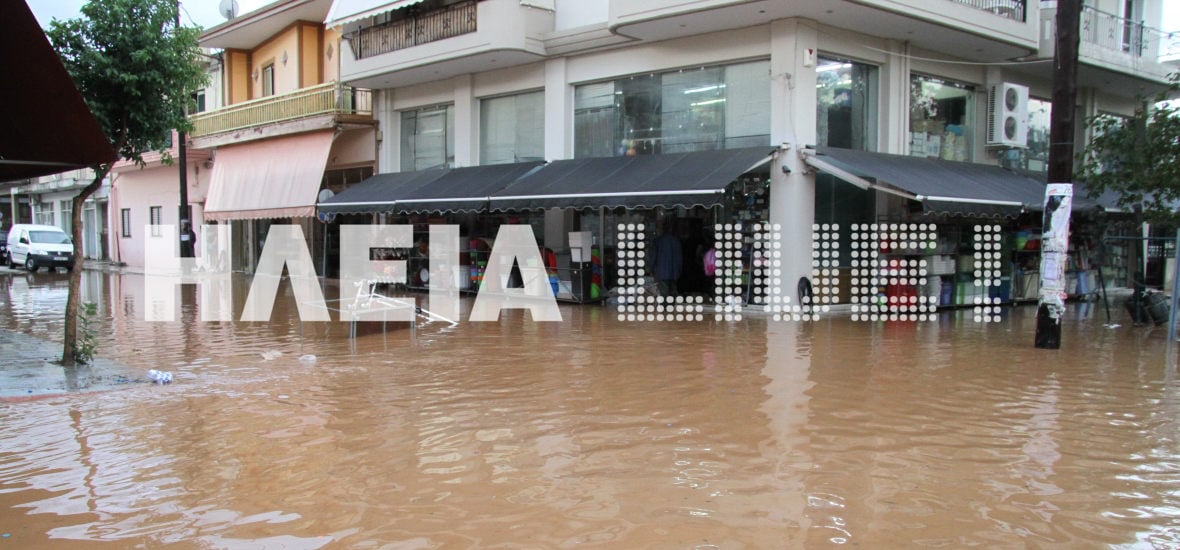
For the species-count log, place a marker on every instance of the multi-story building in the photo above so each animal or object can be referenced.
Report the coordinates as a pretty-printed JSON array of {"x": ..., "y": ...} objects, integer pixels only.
[
  {"x": 49, "y": 200},
  {"x": 285, "y": 128},
  {"x": 855, "y": 106},
  {"x": 852, "y": 98}
]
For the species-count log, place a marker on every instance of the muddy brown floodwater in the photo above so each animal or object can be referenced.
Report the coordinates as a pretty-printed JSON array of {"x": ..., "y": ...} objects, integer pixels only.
[{"x": 595, "y": 432}]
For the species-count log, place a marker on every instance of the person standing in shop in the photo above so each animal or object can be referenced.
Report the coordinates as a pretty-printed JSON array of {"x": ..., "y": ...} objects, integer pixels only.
[
  {"x": 669, "y": 261},
  {"x": 188, "y": 240}
]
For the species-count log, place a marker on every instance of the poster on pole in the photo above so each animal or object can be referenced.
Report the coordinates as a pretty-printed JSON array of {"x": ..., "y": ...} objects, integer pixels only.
[{"x": 1055, "y": 248}]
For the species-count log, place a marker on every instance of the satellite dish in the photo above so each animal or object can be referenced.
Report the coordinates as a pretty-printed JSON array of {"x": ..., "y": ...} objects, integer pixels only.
[{"x": 228, "y": 9}]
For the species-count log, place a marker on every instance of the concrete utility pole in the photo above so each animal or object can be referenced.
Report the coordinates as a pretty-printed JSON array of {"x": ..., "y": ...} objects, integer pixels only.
[
  {"x": 1061, "y": 132},
  {"x": 186, "y": 245}
]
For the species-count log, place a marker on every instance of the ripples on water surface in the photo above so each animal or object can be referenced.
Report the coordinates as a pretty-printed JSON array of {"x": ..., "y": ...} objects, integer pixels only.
[{"x": 595, "y": 432}]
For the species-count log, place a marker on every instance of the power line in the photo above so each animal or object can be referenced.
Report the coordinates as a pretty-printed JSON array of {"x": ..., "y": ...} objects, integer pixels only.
[{"x": 189, "y": 15}]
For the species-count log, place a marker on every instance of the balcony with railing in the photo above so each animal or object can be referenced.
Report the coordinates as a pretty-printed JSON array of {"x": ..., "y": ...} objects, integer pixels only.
[
  {"x": 438, "y": 40},
  {"x": 415, "y": 29},
  {"x": 332, "y": 100},
  {"x": 969, "y": 29},
  {"x": 1016, "y": 10},
  {"x": 1116, "y": 44},
  {"x": 1119, "y": 34}
]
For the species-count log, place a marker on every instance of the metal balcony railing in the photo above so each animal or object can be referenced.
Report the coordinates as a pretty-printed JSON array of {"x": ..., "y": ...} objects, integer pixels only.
[
  {"x": 1015, "y": 10},
  {"x": 1114, "y": 33},
  {"x": 329, "y": 98},
  {"x": 414, "y": 29}
]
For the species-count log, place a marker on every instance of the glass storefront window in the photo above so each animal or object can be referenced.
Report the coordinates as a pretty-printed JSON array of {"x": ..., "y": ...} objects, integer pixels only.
[
  {"x": 692, "y": 111},
  {"x": 512, "y": 128},
  {"x": 846, "y": 104},
  {"x": 674, "y": 112},
  {"x": 428, "y": 138},
  {"x": 1037, "y": 154},
  {"x": 1034, "y": 158},
  {"x": 942, "y": 119}
]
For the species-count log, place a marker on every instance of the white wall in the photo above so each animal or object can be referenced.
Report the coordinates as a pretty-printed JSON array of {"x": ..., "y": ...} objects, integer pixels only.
[{"x": 578, "y": 13}]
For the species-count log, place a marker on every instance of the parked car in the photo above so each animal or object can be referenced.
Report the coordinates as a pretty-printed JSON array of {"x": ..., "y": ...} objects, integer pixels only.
[{"x": 37, "y": 246}]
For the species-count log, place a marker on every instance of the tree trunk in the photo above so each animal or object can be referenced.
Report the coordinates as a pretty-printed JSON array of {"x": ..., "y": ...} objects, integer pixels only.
[{"x": 70, "y": 339}]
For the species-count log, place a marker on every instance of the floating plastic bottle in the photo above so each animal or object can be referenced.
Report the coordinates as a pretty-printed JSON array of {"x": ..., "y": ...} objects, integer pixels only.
[{"x": 159, "y": 376}]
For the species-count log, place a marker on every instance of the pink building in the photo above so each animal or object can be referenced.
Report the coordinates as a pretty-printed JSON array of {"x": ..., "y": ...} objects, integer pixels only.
[{"x": 143, "y": 196}]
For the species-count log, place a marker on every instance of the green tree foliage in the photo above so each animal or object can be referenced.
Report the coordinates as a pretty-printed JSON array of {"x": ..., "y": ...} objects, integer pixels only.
[
  {"x": 1138, "y": 158},
  {"x": 135, "y": 68}
]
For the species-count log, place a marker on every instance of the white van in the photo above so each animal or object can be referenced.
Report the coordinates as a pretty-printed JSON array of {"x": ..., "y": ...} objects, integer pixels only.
[{"x": 37, "y": 246}]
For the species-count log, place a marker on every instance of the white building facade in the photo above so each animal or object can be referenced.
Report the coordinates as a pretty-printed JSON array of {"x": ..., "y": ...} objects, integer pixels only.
[
  {"x": 495, "y": 81},
  {"x": 51, "y": 200}
]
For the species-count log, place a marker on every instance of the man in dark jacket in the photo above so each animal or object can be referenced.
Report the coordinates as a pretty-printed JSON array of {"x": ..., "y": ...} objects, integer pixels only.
[{"x": 669, "y": 261}]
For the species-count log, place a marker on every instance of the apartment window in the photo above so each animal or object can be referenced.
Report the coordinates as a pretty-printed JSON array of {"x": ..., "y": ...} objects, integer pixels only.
[
  {"x": 154, "y": 219},
  {"x": 199, "y": 101},
  {"x": 44, "y": 214},
  {"x": 675, "y": 111},
  {"x": 125, "y": 222},
  {"x": 1132, "y": 31},
  {"x": 67, "y": 215},
  {"x": 512, "y": 128},
  {"x": 428, "y": 138},
  {"x": 942, "y": 118},
  {"x": 268, "y": 80},
  {"x": 846, "y": 106}
]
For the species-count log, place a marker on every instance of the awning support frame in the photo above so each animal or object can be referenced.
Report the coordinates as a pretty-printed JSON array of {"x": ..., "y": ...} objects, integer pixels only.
[{"x": 812, "y": 159}]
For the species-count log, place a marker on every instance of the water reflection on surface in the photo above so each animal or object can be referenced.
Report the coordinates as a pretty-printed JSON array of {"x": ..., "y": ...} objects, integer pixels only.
[{"x": 596, "y": 432}]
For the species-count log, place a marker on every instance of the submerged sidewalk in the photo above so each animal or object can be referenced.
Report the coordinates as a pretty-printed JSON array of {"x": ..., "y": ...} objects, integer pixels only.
[{"x": 29, "y": 368}]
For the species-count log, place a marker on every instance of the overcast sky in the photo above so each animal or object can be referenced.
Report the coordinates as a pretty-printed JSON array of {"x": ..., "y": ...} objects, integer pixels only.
[{"x": 203, "y": 13}]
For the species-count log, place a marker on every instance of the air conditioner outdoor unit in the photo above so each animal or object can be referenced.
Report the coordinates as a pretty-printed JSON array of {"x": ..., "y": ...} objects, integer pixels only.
[{"x": 1007, "y": 115}]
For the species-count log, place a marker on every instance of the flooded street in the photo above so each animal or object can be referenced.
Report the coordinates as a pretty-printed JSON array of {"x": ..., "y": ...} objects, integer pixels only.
[{"x": 595, "y": 432}]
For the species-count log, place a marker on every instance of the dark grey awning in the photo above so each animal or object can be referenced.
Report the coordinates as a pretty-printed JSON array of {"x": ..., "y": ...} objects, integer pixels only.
[
  {"x": 943, "y": 186},
  {"x": 1108, "y": 201},
  {"x": 441, "y": 190},
  {"x": 645, "y": 181},
  {"x": 63, "y": 135},
  {"x": 972, "y": 209}
]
